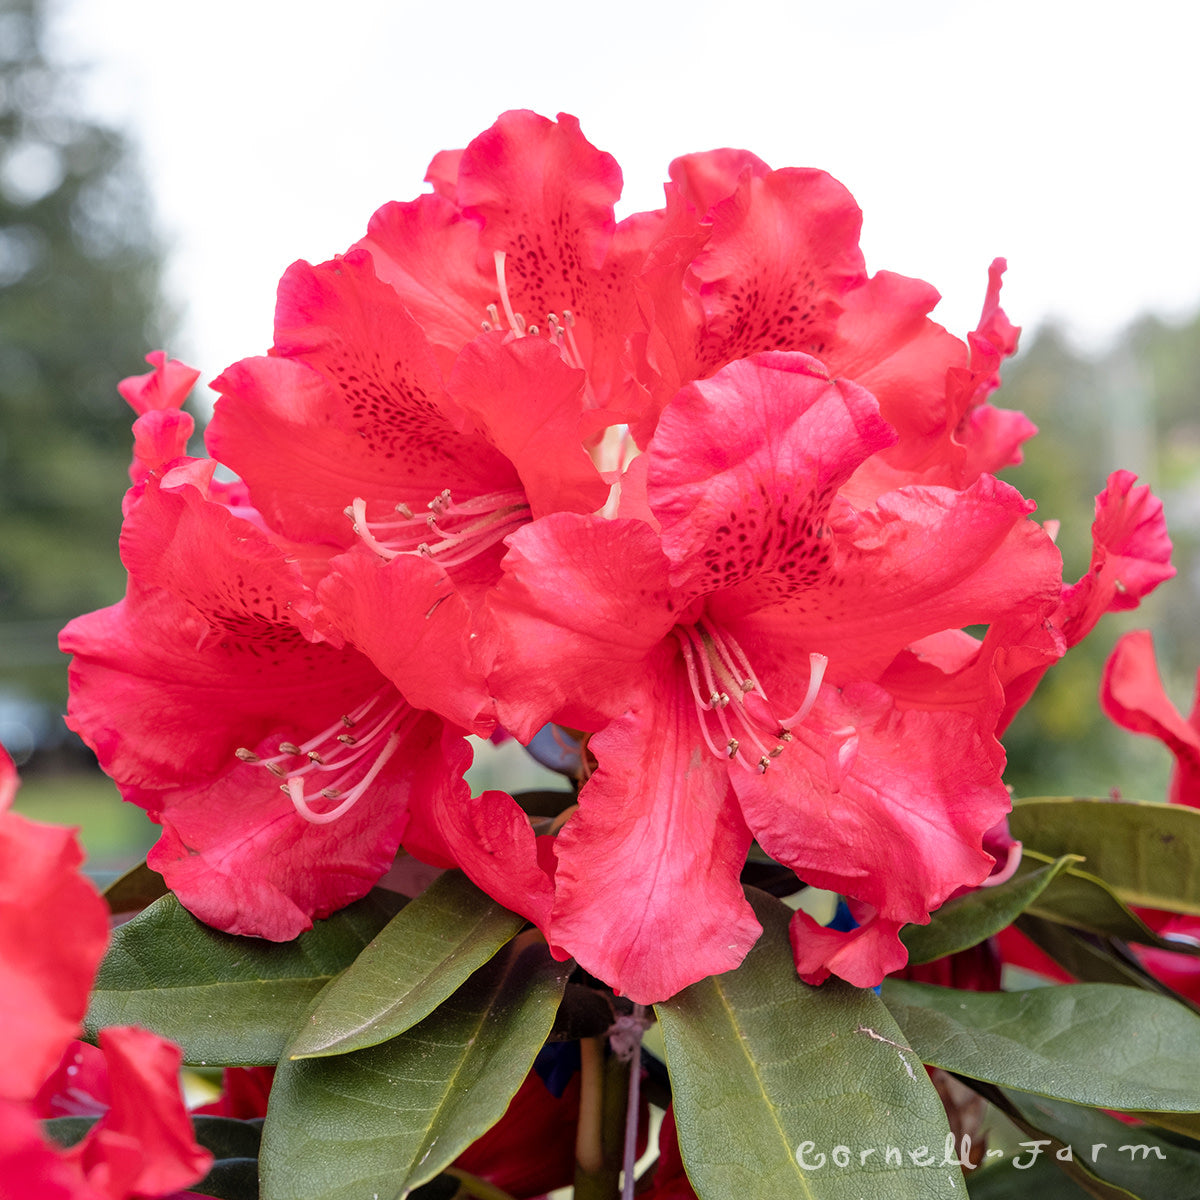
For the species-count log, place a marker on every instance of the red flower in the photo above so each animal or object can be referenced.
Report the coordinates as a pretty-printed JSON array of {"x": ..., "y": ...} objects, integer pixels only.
[
  {"x": 53, "y": 930},
  {"x": 282, "y": 764},
  {"x": 757, "y": 260},
  {"x": 764, "y": 582},
  {"x": 520, "y": 234},
  {"x": 531, "y": 1149}
]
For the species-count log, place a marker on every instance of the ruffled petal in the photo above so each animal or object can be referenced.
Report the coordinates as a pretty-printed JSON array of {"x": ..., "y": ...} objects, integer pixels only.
[
  {"x": 1132, "y": 695},
  {"x": 861, "y": 956},
  {"x": 241, "y": 858},
  {"x": 707, "y": 178},
  {"x": 144, "y": 1145},
  {"x": 886, "y": 805},
  {"x": 351, "y": 405},
  {"x": 53, "y": 931},
  {"x": 528, "y": 404},
  {"x": 488, "y": 837},
  {"x": 925, "y": 560},
  {"x": 1131, "y": 556},
  {"x": 407, "y": 618},
  {"x": 545, "y": 197},
  {"x": 429, "y": 254},
  {"x": 744, "y": 466},
  {"x": 166, "y": 387},
  {"x": 647, "y": 893},
  {"x": 783, "y": 253},
  {"x": 582, "y": 603}
]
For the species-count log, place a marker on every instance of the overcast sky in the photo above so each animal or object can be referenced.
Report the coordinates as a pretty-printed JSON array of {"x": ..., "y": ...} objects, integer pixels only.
[{"x": 1049, "y": 132}]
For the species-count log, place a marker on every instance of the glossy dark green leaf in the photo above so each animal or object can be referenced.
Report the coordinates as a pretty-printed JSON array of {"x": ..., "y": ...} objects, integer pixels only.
[
  {"x": 228, "y": 1137},
  {"x": 388, "y": 1118},
  {"x": 1132, "y": 1157},
  {"x": 422, "y": 956},
  {"x": 226, "y": 1000},
  {"x": 1091, "y": 958},
  {"x": 1149, "y": 854},
  {"x": 138, "y": 888},
  {"x": 968, "y": 919},
  {"x": 1001, "y": 1180},
  {"x": 1084, "y": 901},
  {"x": 1088, "y": 1043},
  {"x": 763, "y": 1065},
  {"x": 230, "y": 1179}
]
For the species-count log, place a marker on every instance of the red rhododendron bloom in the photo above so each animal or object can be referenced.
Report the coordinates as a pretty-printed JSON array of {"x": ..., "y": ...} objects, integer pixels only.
[
  {"x": 729, "y": 667},
  {"x": 520, "y": 235},
  {"x": 53, "y": 931},
  {"x": 754, "y": 260},
  {"x": 216, "y": 704}
]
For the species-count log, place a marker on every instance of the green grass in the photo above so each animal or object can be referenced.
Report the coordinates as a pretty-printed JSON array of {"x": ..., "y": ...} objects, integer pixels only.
[{"x": 114, "y": 835}]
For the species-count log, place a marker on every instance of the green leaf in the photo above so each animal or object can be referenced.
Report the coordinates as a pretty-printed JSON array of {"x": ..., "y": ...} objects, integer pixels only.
[
  {"x": 762, "y": 1065},
  {"x": 138, "y": 888},
  {"x": 968, "y": 919},
  {"x": 387, "y": 1118},
  {"x": 1084, "y": 901},
  {"x": 1002, "y": 1181},
  {"x": 1091, "y": 958},
  {"x": 1186, "y": 1123},
  {"x": 1133, "y": 1157},
  {"x": 1149, "y": 854},
  {"x": 226, "y": 1000},
  {"x": 420, "y": 958},
  {"x": 1089, "y": 1043},
  {"x": 228, "y": 1137}
]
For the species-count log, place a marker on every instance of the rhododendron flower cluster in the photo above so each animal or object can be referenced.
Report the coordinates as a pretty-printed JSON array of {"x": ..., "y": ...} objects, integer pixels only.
[
  {"x": 53, "y": 931},
  {"x": 693, "y": 486}
]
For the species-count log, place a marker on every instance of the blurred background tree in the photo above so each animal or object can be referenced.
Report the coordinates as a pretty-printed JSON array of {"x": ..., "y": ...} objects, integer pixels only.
[{"x": 80, "y": 304}]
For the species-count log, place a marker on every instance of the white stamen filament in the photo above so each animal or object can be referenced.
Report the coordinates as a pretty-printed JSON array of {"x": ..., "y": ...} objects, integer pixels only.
[
  {"x": 353, "y": 761},
  {"x": 450, "y": 532},
  {"x": 515, "y": 321},
  {"x": 721, "y": 680},
  {"x": 560, "y": 332}
]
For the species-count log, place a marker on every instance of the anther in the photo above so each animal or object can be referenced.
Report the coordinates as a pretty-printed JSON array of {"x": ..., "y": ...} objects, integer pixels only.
[
  {"x": 486, "y": 326},
  {"x": 494, "y": 313},
  {"x": 404, "y": 511},
  {"x": 330, "y": 793},
  {"x": 276, "y": 770},
  {"x": 315, "y": 757},
  {"x": 349, "y": 722},
  {"x": 347, "y": 739},
  {"x": 289, "y": 748},
  {"x": 247, "y": 756},
  {"x": 733, "y": 746},
  {"x": 534, "y": 331},
  {"x": 763, "y": 764}
]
